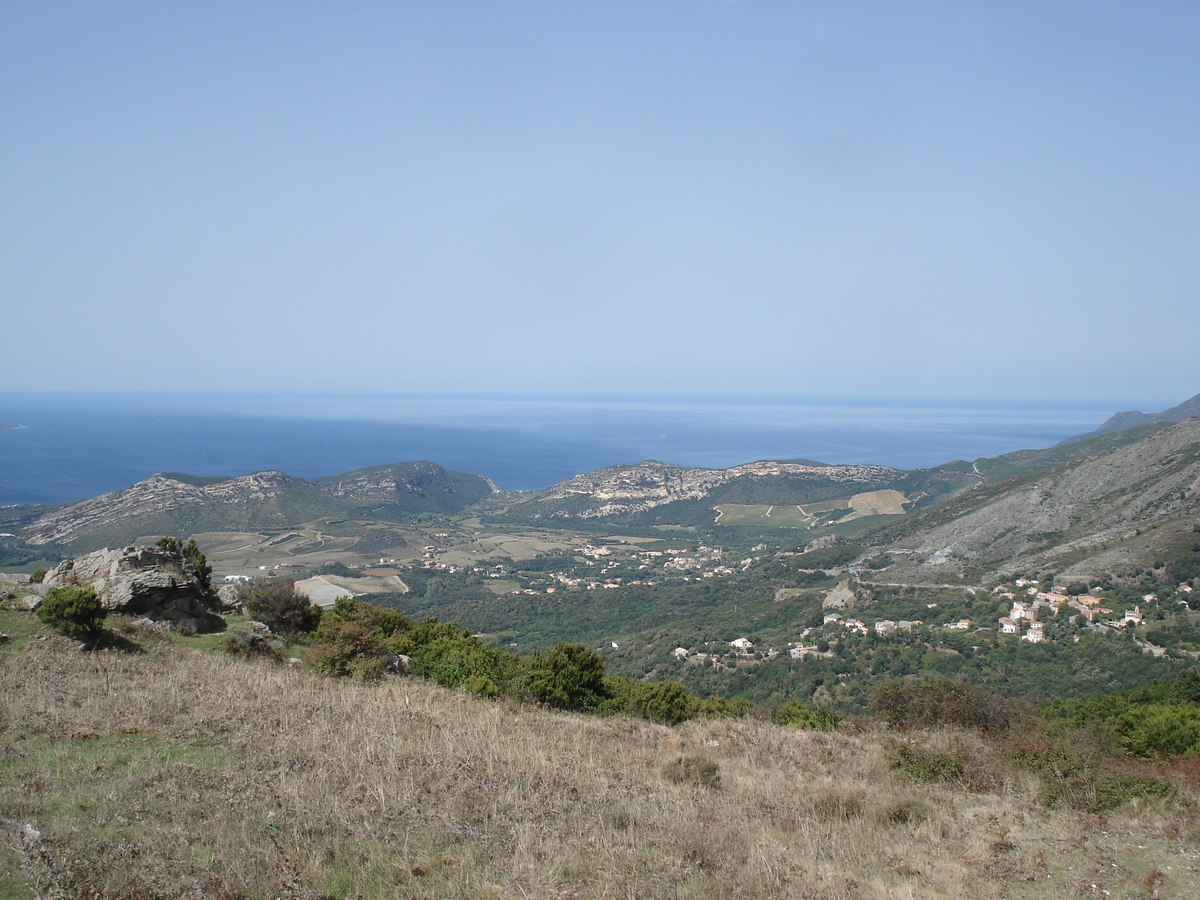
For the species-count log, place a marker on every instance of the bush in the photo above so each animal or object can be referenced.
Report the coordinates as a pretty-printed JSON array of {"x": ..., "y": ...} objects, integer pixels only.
[
  {"x": 1187, "y": 686},
  {"x": 191, "y": 552},
  {"x": 939, "y": 701},
  {"x": 252, "y": 646},
  {"x": 665, "y": 702},
  {"x": 74, "y": 611},
  {"x": 344, "y": 647},
  {"x": 797, "y": 715},
  {"x": 567, "y": 676},
  {"x": 1157, "y": 729},
  {"x": 274, "y": 601},
  {"x": 716, "y": 707}
]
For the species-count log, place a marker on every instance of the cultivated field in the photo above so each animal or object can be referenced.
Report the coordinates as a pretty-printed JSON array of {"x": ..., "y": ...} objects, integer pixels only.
[{"x": 779, "y": 516}]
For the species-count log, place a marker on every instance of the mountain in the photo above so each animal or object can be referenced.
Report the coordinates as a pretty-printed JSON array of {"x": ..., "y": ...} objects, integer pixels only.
[
  {"x": 181, "y": 504},
  {"x": 1134, "y": 418},
  {"x": 1102, "y": 513},
  {"x": 407, "y": 488}
]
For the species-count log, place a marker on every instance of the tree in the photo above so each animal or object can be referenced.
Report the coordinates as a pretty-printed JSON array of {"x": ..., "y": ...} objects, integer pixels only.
[
  {"x": 74, "y": 611},
  {"x": 191, "y": 552}
]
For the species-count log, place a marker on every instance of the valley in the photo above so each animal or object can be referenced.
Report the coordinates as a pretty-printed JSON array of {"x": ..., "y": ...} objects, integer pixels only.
[{"x": 831, "y": 577}]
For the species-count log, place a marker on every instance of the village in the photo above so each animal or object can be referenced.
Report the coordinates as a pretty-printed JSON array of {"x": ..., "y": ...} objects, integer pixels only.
[{"x": 1029, "y": 611}]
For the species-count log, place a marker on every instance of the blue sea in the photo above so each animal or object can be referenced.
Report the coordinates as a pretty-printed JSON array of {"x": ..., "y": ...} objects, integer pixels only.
[{"x": 74, "y": 446}]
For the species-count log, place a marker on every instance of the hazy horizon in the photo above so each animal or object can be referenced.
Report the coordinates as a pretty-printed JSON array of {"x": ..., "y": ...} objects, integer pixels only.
[{"x": 75, "y": 446}]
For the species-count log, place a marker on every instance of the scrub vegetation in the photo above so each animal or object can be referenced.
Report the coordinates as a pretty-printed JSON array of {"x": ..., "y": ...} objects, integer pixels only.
[{"x": 162, "y": 770}]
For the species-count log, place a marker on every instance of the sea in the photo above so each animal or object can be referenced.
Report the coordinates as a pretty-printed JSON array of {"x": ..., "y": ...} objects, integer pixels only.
[{"x": 64, "y": 447}]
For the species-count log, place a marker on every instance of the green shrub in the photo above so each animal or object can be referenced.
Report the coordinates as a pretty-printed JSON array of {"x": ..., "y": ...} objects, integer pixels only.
[
  {"x": 1155, "y": 729},
  {"x": 1187, "y": 686},
  {"x": 665, "y": 702},
  {"x": 567, "y": 676},
  {"x": 74, "y": 611},
  {"x": 456, "y": 656},
  {"x": 716, "y": 707},
  {"x": 797, "y": 715},
  {"x": 481, "y": 686}
]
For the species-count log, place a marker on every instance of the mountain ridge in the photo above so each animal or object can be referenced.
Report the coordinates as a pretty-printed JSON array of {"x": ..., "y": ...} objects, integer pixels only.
[
  {"x": 174, "y": 504},
  {"x": 1134, "y": 418}
]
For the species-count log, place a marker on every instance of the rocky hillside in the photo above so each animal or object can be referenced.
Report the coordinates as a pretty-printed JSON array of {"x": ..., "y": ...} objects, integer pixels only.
[
  {"x": 404, "y": 488},
  {"x": 1089, "y": 516},
  {"x": 177, "y": 504},
  {"x": 652, "y": 492},
  {"x": 1135, "y": 418}
]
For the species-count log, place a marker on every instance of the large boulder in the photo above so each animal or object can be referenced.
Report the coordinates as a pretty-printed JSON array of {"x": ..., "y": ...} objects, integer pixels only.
[{"x": 156, "y": 583}]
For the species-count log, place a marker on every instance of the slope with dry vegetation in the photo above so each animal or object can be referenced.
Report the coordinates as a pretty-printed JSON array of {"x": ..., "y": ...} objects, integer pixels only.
[{"x": 165, "y": 771}]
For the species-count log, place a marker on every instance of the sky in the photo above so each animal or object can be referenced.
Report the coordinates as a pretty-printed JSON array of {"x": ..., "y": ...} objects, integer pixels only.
[{"x": 937, "y": 199}]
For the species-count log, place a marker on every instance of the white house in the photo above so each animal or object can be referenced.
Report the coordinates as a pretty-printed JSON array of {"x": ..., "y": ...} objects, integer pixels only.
[{"x": 741, "y": 644}]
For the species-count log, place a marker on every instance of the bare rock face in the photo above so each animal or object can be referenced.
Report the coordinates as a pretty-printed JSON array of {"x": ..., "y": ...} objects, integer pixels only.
[{"x": 160, "y": 585}]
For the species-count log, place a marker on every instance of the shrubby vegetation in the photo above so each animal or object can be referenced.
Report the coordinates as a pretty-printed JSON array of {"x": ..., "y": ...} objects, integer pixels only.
[
  {"x": 275, "y": 602},
  {"x": 1155, "y": 721},
  {"x": 798, "y": 715},
  {"x": 73, "y": 611},
  {"x": 190, "y": 552},
  {"x": 359, "y": 640},
  {"x": 1085, "y": 754}
]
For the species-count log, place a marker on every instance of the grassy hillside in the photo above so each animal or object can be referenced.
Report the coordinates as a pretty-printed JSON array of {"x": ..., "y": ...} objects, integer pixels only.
[{"x": 158, "y": 773}]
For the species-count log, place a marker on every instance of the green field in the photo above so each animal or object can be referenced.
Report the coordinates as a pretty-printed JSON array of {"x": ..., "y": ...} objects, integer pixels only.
[
  {"x": 770, "y": 516},
  {"x": 826, "y": 506}
]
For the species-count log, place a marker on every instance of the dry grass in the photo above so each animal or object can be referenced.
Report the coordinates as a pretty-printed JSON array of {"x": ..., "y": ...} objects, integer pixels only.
[{"x": 176, "y": 773}]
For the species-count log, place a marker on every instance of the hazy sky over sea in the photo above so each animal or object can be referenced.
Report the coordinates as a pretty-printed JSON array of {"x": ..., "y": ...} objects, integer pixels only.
[{"x": 949, "y": 199}]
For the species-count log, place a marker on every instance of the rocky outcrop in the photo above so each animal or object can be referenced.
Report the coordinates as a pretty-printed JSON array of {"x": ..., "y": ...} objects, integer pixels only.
[{"x": 157, "y": 584}]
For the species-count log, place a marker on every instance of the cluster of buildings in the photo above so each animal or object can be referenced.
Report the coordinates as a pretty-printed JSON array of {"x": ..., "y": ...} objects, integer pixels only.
[{"x": 1037, "y": 604}]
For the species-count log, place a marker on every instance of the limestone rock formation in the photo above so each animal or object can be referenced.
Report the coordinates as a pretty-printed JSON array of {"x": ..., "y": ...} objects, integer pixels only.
[{"x": 158, "y": 584}]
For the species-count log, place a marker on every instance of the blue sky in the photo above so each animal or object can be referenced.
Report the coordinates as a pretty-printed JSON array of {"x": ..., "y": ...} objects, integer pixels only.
[{"x": 709, "y": 198}]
